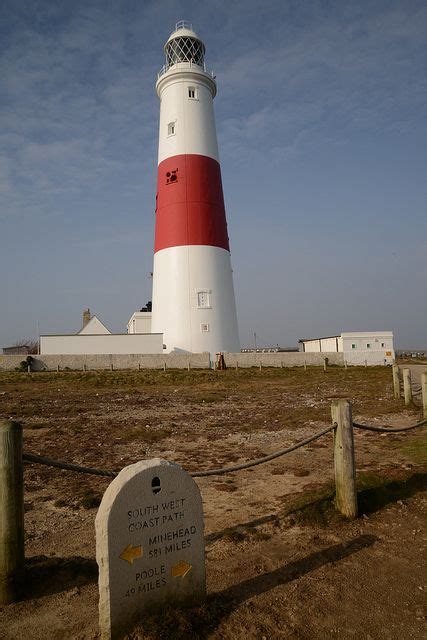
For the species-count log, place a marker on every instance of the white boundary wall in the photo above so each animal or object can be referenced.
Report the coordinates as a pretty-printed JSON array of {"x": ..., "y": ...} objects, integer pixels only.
[
  {"x": 284, "y": 359},
  {"x": 171, "y": 360},
  {"x": 92, "y": 344},
  {"x": 106, "y": 361}
]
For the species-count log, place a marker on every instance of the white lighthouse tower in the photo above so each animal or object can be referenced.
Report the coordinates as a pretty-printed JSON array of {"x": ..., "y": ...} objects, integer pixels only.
[{"x": 193, "y": 294}]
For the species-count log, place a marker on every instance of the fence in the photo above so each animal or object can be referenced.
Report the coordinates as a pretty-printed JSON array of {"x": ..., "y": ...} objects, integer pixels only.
[
  {"x": 12, "y": 457},
  {"x": 413, "y": 393}
]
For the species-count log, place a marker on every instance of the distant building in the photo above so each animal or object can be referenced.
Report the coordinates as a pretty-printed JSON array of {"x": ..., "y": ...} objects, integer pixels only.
[
  {"x": 411, "y": 353},
  {"x": 140, "y": 321},
  {"x": 94, "y": 327},
  {"x": 21, "y": 350},
  {"x": 276, "y": 349},
  {"x": 374, "y": 347},
  {"x": 95, "y": 338}
]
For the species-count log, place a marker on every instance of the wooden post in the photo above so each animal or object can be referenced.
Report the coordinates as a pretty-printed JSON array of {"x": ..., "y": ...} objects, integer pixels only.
[
  {"x": 188, "y": 366},
  {"x": 345, "y": 472},
  {"x": 237, "y": 365},
  {"x": 305, "y": 365},
  {"x": 84, "y": 367},
  {"x": 111, "y": 367},
  {"x": 11, "y": 511},
  {"x": 396, "y": 381},
  {"x": 57, "y": 368},
  {"x": 260, "y": 366},
  {"x": 345, "y": 365},
  {"x": 424, "y": 392},
  {"x": 28, "y": 368},
  {"x": 366, "y": 363},
  {"x": 407, "y": 389},
  {"x": 325, "y": 364},
  {"x": 164, "y": 366},
  {"x": 139, "y": 366},
  {"x": 281, "y": 364}
]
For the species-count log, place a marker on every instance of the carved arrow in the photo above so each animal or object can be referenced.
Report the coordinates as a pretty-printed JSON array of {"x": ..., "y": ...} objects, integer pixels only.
[
  {"x": 131, "y": 553},
  {"x": 181, "y": 569}
]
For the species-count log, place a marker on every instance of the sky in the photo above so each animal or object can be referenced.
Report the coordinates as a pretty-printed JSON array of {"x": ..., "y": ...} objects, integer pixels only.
[{"x": 322, "y": 131}]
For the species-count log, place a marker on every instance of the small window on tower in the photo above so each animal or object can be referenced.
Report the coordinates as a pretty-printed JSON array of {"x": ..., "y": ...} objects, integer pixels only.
[
  {"x": 171, "y": 129},
  {"x": 172, "y": 176},
  {"x": 203, "y": 299},
  {"x": 192, "y": 93},
  {"x": 204, "y": 327}
]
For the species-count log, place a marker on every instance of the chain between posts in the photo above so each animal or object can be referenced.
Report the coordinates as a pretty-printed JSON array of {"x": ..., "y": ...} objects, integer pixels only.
[
  {"x": 253, "y": 463},
  {"x": 70, "y": 466},
  {"x": 368, "y": 427}
]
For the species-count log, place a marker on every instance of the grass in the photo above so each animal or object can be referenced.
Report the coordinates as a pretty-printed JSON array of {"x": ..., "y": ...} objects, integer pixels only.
[
  {"x": 199, "y": 376},
  {"x": 176, "y": 623},
  {"x": 244, "y": 532},
  {"x": 149, "y": 435},
  {"x": 415, "y": 449},
  {"x": 313, "y": 508},
  {"x": 41, "y": 424},
  {"x": 374, "y": 492},
  {"x": 90, "y": 499}
]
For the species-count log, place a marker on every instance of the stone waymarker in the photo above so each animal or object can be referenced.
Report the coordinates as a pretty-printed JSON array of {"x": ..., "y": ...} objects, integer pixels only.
[{"x": 149, "y": 544}]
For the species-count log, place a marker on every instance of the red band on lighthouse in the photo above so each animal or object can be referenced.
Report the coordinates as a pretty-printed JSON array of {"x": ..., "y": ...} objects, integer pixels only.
[{"x": 190, "y": 203}]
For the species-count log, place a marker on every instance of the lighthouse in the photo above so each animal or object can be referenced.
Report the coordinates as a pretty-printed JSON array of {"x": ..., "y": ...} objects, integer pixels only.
[{"x": 193, "y": 294}]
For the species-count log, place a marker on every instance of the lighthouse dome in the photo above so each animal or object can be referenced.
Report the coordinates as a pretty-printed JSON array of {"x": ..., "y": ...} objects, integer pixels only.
[{"x": 184, "y": 45}]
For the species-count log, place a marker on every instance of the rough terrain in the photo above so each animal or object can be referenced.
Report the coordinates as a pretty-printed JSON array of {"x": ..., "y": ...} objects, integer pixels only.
[{"x": 280, "y": 562}]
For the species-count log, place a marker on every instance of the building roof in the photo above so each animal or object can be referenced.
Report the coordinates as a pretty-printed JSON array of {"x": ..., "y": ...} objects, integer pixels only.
[
  {"x": 22, "y": 349},
  {"x": 94, "y": 326},
  {"x": 349, "y": 334},
  {"x": 321, "y": 338}
]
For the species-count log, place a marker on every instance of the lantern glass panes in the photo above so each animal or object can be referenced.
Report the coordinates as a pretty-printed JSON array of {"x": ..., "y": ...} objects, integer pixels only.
[{"x": 185, "y": 49}]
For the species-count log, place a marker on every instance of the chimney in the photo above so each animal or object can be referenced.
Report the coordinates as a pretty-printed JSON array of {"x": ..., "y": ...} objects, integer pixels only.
[{"x": 86, "y": 317}]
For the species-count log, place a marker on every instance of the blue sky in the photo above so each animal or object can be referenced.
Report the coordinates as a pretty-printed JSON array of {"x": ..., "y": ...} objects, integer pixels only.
[{"x": 321, "y": 120}]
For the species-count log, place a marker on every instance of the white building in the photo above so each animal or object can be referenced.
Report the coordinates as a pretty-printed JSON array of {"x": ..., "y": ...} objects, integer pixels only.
[
  {"x": 358, "y": 347},
  {"x": 94, "y": 338},
  {"x": 140, "y": 322}
]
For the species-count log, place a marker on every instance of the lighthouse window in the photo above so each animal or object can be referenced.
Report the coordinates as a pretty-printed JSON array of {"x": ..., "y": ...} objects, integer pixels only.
[
  {"x": 192, "y": 93},
  {"x": 204, "y": 327},
  {"x": 203, "y": 299},
  {"x": 171, "y": 129}
]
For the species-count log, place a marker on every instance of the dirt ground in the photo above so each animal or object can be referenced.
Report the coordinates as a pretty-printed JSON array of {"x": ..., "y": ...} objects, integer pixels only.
[{"x": 280, "y": 562}]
